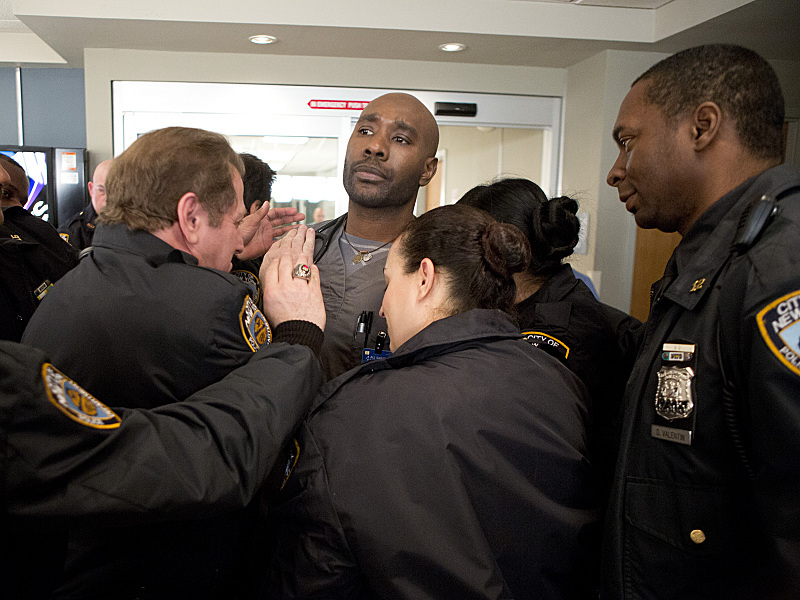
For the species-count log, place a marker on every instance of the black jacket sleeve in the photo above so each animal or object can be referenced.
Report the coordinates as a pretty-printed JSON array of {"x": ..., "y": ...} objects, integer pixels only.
[{"x": 196, "y": 458}]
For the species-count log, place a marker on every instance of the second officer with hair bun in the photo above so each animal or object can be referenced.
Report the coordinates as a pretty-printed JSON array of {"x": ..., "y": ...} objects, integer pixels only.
[{"x": 557, "y": 311}]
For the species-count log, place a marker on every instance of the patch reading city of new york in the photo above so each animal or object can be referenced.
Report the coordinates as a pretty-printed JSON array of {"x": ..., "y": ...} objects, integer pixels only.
[{"x": 779, "y": 323}]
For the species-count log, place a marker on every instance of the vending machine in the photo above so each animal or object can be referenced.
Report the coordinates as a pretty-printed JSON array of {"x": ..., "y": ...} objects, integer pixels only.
[{"x": 57, "y": 180}]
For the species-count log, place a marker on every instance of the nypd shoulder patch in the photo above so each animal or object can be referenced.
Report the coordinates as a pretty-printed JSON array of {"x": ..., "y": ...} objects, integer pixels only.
[
  {"x": 779, "y": 323},
  {"x": 64, "y": 236},
  {"x": 255, "y": 328},
  {"x": 75, "y": 402},
  {"x": 251, "y": 281}
]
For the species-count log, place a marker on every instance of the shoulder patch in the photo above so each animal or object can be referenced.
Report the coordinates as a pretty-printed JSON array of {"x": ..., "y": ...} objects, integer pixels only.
[
  {"x": 539, "y": 338},
  {"x": 255, "y": 328},
  {"x": 75, "y": 402},
  {"x": 64, "y": 236},
  {"x": 251, "y": 281},
  {"x": 779, "y": 323}
]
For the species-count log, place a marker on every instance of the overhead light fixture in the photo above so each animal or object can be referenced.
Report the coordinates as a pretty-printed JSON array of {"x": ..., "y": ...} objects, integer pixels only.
[
  {"x": 263, "y": 39},
  {"x": 452, "y": 47}
]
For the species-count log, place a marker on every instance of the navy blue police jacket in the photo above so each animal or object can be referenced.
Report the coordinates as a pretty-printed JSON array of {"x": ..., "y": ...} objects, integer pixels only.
[
  {"x": 457, "y": 468},
  {"x": 139, "y": 322},
  {"x": 67, "y": 458},
  {"x": 32, "y": 259},
  {"x": 706, "y": 498},
  {"x": 78, "y": 232},
  {"x": 596, "y": 341}
]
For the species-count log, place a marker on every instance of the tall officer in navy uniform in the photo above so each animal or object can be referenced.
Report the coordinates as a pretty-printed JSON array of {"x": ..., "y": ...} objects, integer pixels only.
[
  {"x": 32, "y": 256},
  {"x": 79, "y": 230},
  {"x": 390, "y": 155},
  {"x": 707, "y": 487},
  {"x": 150, "y": 316}
]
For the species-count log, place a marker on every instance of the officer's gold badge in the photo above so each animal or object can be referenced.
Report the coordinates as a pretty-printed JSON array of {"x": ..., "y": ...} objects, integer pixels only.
[{"x": 75, "y": 402}]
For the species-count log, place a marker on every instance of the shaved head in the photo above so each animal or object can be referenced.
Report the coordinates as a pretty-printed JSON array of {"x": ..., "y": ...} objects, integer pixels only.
[
  {"x": 391, "y": 152},
  {"x": 97, "y": 186},
  {"x": 420, "y": 117}
]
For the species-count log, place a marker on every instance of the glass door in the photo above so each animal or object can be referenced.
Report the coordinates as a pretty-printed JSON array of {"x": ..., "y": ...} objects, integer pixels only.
[{"x": 302, "y": 133}]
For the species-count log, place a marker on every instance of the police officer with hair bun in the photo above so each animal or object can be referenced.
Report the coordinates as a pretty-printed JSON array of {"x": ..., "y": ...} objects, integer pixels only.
[
  {"x": 558, "y": 312},
  {"x": 455, "y": 468}
]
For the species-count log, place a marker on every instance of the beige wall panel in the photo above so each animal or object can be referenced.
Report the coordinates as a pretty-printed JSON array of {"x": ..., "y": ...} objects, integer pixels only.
[{"x": 522, "y": 153}]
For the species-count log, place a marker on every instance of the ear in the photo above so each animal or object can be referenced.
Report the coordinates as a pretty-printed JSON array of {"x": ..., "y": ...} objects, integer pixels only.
[
  {"x": 91, "y": 187},
  {"x": 426, "y": 277},
  {"x": 192, "y": 217},
  {"x": 430, "y": 170},
  {"x": 706, "y": 125}
]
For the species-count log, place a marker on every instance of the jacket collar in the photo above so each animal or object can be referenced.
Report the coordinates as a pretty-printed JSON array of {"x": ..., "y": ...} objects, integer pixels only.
[
  {"x": 560, "y": 285},
  {"x": 705, "y": 248},
  {"x": 141, "y": 243},
  {"x": 440, "y": 337},
  {"x": 474, "y": 324}
]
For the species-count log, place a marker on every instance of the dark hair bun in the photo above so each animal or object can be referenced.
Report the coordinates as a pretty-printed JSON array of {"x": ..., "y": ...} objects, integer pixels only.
[
  {"x": 556, "y": 228},
  {"x": 505, "y": 249}
]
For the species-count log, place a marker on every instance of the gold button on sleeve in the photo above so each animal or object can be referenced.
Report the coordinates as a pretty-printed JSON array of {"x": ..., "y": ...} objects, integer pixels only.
[{"x": 697, "y": 536}]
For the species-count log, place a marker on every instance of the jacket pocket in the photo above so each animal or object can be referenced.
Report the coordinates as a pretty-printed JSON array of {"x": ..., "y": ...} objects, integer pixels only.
[
  {"x": 700, "y": 520},
  {"x": 687, "y": 541}
]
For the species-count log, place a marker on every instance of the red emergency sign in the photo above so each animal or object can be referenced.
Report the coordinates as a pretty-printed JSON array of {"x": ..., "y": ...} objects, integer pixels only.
[{"x": 338, "y": 104}]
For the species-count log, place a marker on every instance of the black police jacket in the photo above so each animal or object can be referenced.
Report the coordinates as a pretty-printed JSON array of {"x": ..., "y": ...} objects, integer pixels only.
[
  {"x": 78, "y": 232},
  {"x": 140, "y": 323},
  {"x": 706, "y": 496},
  {"x": 64, "y": 457},
  {"x": 597, "y": 342},
  {"x": 32, "y": 259},
  {"x": 457, "y": 468}
]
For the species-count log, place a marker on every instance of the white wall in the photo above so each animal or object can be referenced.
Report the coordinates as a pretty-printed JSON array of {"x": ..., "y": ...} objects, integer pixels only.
[{"x": 595, "y": 89}]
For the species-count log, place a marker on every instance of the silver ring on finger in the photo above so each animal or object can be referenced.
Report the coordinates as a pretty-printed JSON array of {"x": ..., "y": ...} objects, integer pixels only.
[{"x": 301, "y": 272}]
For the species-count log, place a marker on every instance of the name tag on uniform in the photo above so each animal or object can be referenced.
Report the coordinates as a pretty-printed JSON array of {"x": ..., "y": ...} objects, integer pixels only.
[
  {"x": 370, "y": 354},
  {"x": 674, "y": 419},
  {"x": 42, "y": 290}
]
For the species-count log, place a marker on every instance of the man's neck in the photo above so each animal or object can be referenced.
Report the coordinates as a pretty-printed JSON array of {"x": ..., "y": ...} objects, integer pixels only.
[
  {"x": 173, "y": 236},
  {"x": 378, "y": 224},
  {"x": 726, "y": 178}
]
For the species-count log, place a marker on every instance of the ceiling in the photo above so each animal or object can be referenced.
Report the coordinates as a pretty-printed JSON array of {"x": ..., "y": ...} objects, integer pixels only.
[{"x": 541, "y": 33}]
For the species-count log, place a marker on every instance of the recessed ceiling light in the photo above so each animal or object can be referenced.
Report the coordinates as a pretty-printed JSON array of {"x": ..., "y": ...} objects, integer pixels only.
[
  {"x": 263, "y": 39},
  {"x": 452, "y": 47}
]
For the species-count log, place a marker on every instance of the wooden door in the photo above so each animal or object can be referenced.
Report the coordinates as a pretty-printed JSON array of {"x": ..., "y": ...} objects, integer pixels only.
[{"x": 653, "y": 249}]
